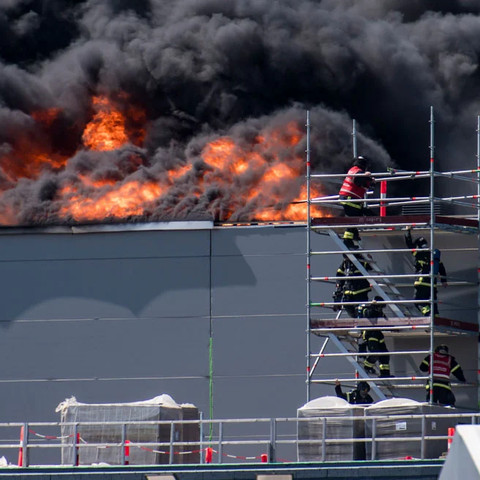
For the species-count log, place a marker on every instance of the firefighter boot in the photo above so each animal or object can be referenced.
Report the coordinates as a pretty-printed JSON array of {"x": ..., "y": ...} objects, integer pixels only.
[{"x": 385, "y": 371}]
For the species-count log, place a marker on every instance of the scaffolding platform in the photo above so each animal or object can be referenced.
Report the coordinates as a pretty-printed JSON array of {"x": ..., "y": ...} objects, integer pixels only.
[
  {"x": 407, "y": 326},
  {"x": 455, "y": 224}
]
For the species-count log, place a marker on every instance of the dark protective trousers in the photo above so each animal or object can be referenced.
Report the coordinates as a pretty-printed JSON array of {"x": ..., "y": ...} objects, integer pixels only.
[
  {"x": 355, "y": 209},
  {"x": 376, "y": 344},
  {"x": 422, "y": 292},
  {"x": 442, "y": 394}
]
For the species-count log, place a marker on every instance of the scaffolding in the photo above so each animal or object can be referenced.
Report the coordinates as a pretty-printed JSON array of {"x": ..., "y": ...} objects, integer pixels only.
[{"x": 406, "y": 318}]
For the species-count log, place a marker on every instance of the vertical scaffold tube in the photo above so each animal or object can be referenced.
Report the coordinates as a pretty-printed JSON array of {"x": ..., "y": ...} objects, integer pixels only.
[
  {"x": 309, "y": 224},
  {"x": 478, "y": 166},
  {"x": 432, "y": 269},
  {"x": 354, "y": 138}
]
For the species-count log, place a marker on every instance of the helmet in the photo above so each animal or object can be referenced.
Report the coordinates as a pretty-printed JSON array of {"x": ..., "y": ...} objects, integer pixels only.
[
  {"x": 436, "y": 254},
  {"x": 361, "y": 162},
  {"x": 442, "y": 349},
  {"x": 363, "y": 386},
  {"x": 420, "y": 242}
]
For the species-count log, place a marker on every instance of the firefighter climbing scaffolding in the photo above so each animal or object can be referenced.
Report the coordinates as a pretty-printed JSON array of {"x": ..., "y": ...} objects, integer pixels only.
[{"x": 418, "y": 313}]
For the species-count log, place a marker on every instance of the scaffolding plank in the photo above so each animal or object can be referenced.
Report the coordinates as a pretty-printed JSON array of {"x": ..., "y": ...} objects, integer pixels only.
[
  {"x": 395, "y": 219},
  {"x": 447, "y": 323}
]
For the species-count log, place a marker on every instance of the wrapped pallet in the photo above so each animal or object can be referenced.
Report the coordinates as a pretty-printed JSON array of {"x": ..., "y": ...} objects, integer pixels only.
[
  {"x": 161, "y": 408},
  {"x": 337, "y": 426},
  {"x": 388, "y": 428},
  {"x": 190, "y": 433}
]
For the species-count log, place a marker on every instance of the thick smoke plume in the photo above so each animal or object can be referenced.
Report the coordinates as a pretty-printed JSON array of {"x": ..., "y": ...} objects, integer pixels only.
[{"x": 160, "y": 109}]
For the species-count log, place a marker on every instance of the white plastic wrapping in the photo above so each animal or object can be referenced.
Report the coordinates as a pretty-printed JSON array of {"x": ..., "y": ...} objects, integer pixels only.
[
  {"x": 334, "y": 410},
  {"x": 159, "y": 408}
]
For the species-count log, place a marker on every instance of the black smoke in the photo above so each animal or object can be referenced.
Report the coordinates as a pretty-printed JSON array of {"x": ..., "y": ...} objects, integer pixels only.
[{"x": 205, "y": 68}]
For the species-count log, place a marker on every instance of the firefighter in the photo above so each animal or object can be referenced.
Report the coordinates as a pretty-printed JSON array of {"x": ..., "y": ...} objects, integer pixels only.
[
  {"x": 374, "y": 340},
  {"x": 355, "y": 188},
  {"x": 422, "y": 265},
  {"x": 359, "y": 396},
  {"x": 444, "y": 365},
  {"x": 351, "y": 290}
]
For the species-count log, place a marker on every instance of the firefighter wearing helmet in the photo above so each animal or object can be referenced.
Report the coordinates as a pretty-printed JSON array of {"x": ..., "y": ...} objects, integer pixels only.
[
  {"x": 358, "y": 396},
  {"x": 444, "y": 365},
  {"x": 374, "y": 340},
  {"x": 422, "y": 266},
  {"x": 355, "y": 188}
]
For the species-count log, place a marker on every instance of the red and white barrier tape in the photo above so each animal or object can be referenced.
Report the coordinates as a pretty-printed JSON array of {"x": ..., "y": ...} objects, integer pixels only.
[
  {"x": 239, "y": 457},
  {"x": 262, "y": 457},
  {"x": 49, "y": 437}
]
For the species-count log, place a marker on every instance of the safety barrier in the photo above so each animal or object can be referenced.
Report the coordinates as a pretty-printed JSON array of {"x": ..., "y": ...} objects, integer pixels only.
[{"x": 212, "y": 449}]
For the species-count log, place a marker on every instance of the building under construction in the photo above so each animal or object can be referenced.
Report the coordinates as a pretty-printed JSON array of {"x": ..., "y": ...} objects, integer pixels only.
[{"x": 229, "y": 319}]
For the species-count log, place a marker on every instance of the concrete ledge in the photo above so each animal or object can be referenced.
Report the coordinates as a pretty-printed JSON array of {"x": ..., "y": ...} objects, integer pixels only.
[{"x": 380, "y": 470}]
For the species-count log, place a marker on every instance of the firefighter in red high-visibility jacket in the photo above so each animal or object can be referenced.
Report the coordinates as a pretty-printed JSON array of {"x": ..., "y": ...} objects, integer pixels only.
[
  {"x": 355, "y": 188},
  {"x": 444, "y": 365}
]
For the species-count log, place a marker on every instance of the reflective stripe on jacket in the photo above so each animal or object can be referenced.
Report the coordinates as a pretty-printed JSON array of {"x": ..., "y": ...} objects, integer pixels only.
[
  {"x": 349, "y": 189},
  {"x": 442, "y": 365}
]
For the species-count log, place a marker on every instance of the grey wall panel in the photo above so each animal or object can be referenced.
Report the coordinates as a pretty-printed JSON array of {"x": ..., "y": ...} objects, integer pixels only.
[
  {"x": 268, "y": 397},
  {"x": 105, "y": 288},
  {"x": 36, "y": 402},
  {"x": 261, "y": 288},
  {"x": 107, "y": 349},
  {"x": 259, "y": 241},
  {"x": 258, "y": 303},
  {"x": 105, "y": 245},
  {"x": 259, "y": 345}
]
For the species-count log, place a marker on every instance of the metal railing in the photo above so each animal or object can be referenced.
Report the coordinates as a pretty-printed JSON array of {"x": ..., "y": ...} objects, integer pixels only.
[{"x": 254, "y": 445}]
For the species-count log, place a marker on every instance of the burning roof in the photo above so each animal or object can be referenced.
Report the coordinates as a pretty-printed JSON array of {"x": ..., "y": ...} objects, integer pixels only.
[{"x": 151, "y": 110}]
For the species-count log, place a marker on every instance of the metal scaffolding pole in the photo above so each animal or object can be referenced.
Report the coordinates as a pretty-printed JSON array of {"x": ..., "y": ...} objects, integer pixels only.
[
  {"x": 309, "y": 223},
  {"x": 478, "y": 162},
  {"x": 354, "y": 138},
  {"x": 432, "y": 230}
]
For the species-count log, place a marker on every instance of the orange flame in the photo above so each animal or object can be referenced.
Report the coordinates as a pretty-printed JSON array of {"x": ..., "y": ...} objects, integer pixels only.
[
  {"x": 106, "y": 131},
  {"x": 130, "y": 199},
  {"x": 260, "y": 178},
  {"x": 108, "y": 128},
  {"x": 257, "y": 181}
]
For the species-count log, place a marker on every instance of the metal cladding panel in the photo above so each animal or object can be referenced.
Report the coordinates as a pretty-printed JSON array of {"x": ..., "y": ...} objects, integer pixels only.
[
  {"x": 106, "y": 288},
  {"x": 37, "y": 401},
  {"x": 259, "y": 345},
  {"x": 264, "y": 285},
  {"x": 155, "y": 288},
  {"x": 257, "y": 272},
  {"x": 258, "y": 396},
  {"x": 114, "y": 245},
  {"x": 106, "y": 349},
  {"x": 259, "y": 241}
]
